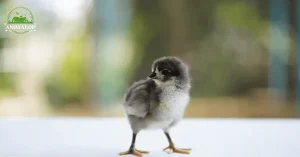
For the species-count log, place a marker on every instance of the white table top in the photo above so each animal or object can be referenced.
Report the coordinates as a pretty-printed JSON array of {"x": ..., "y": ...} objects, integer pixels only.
[{"x": 106, "y": 137}]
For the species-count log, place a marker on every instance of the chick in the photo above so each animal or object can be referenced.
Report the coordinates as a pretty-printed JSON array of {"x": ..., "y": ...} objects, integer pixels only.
[{"x": 159, "y": 101}]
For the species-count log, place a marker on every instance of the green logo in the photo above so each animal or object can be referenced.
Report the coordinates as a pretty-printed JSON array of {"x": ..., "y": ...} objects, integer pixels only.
[{"x": 20, "y": 20}]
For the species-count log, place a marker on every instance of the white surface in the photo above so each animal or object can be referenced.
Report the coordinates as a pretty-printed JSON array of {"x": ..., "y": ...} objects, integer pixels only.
[{"x": 98, "y": 137}]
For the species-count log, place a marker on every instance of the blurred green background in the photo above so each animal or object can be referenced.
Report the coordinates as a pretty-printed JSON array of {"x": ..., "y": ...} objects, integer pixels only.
[{"x": 84, "y": 54}]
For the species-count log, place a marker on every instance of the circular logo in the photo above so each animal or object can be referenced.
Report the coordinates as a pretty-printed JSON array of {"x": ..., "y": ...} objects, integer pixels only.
[{"x": 20, "y": 20}]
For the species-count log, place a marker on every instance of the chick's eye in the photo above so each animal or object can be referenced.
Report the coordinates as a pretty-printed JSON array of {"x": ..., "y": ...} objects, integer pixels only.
[{"x": 166, "y": 72}]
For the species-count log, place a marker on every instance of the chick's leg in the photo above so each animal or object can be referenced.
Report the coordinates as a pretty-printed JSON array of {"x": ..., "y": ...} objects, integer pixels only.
[
  {"x": 132, "y": 149},
  {"x": 173, "y": 149}
]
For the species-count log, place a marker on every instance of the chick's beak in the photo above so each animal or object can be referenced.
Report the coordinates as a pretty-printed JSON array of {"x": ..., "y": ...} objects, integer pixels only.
[{"x": 152, "y": 75}]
